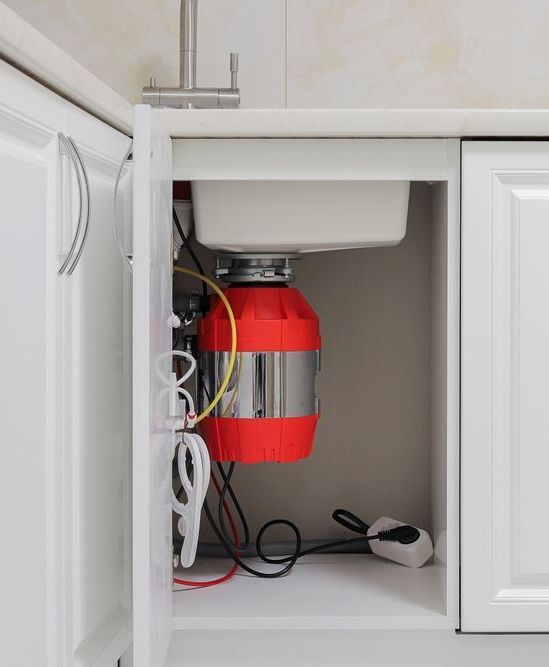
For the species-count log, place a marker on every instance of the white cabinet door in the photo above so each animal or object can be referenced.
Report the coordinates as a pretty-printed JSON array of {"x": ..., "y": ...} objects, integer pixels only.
[
  {"x": 64, "y": 391},
  {"x": 152, "y": 431},
  {"x": 505, "y": 375},
  {"x": 96, "y": 461},
  {"x": 29, "y": 196}
]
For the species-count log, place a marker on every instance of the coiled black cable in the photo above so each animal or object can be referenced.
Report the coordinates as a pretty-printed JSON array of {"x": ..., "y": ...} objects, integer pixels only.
[
  {"x": 405, "y": 534},
  {"x": 226, "y": 542}
]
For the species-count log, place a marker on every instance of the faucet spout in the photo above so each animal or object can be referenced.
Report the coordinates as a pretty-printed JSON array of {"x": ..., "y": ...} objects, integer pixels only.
[
  {"x": 188, "y": 19},
  {"x": 189, "y": 95}
]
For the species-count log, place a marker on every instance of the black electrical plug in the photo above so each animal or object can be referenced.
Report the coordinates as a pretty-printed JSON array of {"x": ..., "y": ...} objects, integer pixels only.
[{"x": 404, "y": 534}]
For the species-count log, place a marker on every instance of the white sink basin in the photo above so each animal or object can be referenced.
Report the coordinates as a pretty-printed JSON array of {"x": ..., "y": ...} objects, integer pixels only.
[{"x": 299, "y": 216}]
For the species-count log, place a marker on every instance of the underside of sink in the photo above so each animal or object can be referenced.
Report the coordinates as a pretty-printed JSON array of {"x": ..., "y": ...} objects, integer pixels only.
[{"x": 299, "y": 216}]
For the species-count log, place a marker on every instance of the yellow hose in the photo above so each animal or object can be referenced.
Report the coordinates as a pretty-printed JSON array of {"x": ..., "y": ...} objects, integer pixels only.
[{"x": 232, "y": 321}]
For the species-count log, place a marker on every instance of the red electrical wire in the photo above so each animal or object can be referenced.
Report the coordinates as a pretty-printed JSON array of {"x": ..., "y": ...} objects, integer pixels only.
[{"x": 231, "y": 572}]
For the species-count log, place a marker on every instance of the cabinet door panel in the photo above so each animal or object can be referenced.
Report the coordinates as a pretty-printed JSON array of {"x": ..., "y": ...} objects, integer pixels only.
[
  {"x": 152, "y": 433},
  {"x": 64, "y": 391},
  {"x": 29, "y": 195},
  {"x": 99, "y": 433},
  {"x": 505, "y": 366},
  {"x": 25, "y": 415},
  {"x": 97, "y": 448}
]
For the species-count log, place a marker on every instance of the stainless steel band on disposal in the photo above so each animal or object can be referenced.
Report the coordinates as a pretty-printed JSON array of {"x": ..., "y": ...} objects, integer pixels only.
[{"x": 263, "y": 384}]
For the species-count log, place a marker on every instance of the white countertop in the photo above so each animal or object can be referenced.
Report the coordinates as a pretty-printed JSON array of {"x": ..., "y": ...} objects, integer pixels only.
[
  {"x": 29, "y": 50},
  {"x": 356, "y": 122}
]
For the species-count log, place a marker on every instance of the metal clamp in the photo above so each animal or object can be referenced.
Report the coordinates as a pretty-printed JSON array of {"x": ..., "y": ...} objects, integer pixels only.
[
  {"x": 83, "y": 220},
  {"x": 250, "y": 267},
  {"x": 128, "y": 258}
]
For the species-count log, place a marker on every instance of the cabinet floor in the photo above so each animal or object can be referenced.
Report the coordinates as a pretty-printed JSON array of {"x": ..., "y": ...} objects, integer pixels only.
[{"x": 336, "y": 591}]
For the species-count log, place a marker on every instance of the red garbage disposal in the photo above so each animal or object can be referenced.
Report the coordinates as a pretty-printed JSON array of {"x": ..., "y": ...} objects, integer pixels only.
[{"x": 269, "y": 411}]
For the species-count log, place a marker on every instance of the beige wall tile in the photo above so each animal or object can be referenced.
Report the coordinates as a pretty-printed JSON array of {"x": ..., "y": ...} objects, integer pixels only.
[
  {"x": 418, "y": 53},
  {"x": 341, "y": 53}
]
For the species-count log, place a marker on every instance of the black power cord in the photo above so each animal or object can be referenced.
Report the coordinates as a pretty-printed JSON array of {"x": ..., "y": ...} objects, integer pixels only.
[
  {"x": 225, "y": 540},
  {"x": 239, "y": 511},
  {"x": 189, "y": 249},
  {"x": 404, "y": 534}
]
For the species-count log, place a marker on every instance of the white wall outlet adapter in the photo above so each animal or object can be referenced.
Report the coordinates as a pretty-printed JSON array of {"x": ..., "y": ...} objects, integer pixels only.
[{"x": 415, "y": 554}]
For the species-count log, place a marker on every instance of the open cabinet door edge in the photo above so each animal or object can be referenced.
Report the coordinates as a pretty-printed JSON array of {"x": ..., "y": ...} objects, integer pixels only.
[{"x": 152, "y": 434}]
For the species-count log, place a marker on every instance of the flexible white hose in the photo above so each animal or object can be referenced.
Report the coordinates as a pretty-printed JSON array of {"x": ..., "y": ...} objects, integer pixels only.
[
  {"x": 190, "y": 401},
  {"x": 190, "y": 511},
  {"x": 192, "y": 445},
  {"x": 189, "y": 357},
  {"x": 176, "y": 353}
]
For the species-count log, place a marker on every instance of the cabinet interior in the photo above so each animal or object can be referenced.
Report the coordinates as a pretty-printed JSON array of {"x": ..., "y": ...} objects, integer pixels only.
[{"x": 386, "y": 445}]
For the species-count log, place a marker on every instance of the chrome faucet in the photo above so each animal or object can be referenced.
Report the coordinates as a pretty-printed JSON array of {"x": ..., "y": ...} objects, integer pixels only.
[{"x": 189, "y": 95}]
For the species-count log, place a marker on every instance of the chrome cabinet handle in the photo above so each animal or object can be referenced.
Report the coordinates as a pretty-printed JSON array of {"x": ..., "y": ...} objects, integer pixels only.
[
  {"x": 80, "y": 250},
  {"x": 70, "y": 152},
  {"x": 128, "y": 259}
]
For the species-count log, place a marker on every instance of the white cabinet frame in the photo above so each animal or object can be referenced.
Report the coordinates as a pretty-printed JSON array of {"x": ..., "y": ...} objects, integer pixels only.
[{"x": 435, "y": 161}]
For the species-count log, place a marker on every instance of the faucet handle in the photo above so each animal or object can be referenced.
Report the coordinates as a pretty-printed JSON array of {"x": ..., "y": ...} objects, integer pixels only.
[{"x": 234, "y": 70}]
